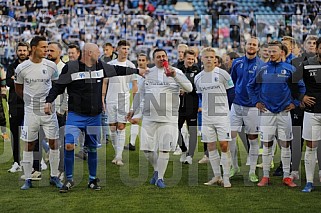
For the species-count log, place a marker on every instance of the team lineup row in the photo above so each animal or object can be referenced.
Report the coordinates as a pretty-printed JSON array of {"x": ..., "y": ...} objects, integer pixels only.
[{"x": 262, "y": 96}]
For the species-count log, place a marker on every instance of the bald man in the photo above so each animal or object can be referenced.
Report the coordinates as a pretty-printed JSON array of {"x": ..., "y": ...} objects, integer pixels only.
[{"x": 83, "y": 79}]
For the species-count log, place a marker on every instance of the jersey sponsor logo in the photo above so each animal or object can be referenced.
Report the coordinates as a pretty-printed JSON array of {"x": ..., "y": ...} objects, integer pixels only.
[
  {"x": 281, "y": 76},
  {"x": 149, "y": 82},
  {"x": 38, "y": 80},
  {"x": 209, "y": 88}
]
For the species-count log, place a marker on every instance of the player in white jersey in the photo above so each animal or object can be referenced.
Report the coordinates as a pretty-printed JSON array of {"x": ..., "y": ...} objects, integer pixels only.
[
  {"x": 142, "y": 62},
  {"x": 33, "y": 82},
  {"x": 117, "y": 100},
  {"x": 160, "y": 113},
  {"x": 213, "y": 83}
]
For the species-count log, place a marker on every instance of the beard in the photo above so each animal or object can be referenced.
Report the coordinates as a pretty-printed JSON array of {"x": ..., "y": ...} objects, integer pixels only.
[
  {"x": 52, "y": 59},
  {"x": 23, "y": 58},
  {"x": 250, "y": 53}
]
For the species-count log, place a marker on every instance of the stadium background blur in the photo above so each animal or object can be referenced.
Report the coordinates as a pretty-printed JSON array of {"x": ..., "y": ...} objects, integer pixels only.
[{"x": 148, "y": 24}]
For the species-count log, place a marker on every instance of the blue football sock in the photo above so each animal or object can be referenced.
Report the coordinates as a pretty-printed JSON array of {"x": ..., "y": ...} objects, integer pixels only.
[
  {"x": 69, "y": 163},
  {"x": 92, "y": 163}
]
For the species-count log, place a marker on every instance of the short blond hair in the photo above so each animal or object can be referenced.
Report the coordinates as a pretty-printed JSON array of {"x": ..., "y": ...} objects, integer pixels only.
[
  {"x": 182, "y": 45},
  {"x": 208, "y": 49}
]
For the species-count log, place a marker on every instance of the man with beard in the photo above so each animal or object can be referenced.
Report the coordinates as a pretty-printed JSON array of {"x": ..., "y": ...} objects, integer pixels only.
[
  {"x": 16, "y": 112},
  {"x": 271, "y": 92},
  {"x": 243, "y": 111},
  {"x": 61, "y": 102}
]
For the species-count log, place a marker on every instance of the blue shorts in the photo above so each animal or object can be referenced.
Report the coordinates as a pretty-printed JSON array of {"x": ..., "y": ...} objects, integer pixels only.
[{"x": 89, "y": 125}]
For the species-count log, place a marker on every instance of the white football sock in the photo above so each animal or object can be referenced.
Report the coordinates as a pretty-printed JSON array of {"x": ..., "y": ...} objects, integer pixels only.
[
  {"x": 214, "y": 158},
  {"x": 309, "y": 162},
  {"x": 152, "y": 159},
  {"x": 233, "y": 150},
  {"x": 286, "y": 160},
  {"x": 267, "y": 158},
  {"x": 26, "y": 163},
  {"x": 121, "y": 137},
  {"x": 226, "y": 163},
  {"x": 134, "y": 130},
  {"x": 275, "y": 142},
  {"x": 162, "y": 164},
  {"x": 254, "y": 154},
  {"x": 54, "y": 162},
  {"x": 113, "y": 138}
]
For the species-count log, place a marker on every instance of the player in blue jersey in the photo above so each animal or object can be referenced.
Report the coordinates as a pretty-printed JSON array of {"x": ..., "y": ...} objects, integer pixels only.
[
  {"x": 243, "y": 111},
  {"x": 270, "y": 91},
  {"x": 289, "y": 42}
]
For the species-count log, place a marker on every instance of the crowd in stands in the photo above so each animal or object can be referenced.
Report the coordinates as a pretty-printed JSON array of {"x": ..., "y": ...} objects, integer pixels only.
[{"x": 224, "y": 25}]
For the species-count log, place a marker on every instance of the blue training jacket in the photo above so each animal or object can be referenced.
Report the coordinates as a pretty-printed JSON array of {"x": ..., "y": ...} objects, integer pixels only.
[
  {"x": 242, "y": 70},
  {"x": 290, "y": 58},
  {"x": 274, "y": 81}
]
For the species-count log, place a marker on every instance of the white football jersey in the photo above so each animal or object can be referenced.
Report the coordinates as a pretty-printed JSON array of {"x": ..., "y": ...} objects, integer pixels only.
[
  {"x": 118, "y": 91},
  {"x": 161, "y": 95},
  {"x": 213, "y": 85},
  {"x": 37, "y": 81}
]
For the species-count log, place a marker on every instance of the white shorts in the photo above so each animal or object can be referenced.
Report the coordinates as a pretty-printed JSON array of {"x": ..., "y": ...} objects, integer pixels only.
[
  {"x": 158, "y": 135},
  {"x": 214, "y": 132},
  {"x": 311, "y": 126},
  {"x": 117, "y": 114},
  {"x": 244, "y": 116},
  {"x": 275, "y": 125},
  {"x": 32, "y": 124}
]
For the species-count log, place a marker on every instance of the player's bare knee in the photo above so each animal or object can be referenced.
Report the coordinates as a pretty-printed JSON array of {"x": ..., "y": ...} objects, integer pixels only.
[
  {"x": 70, "y": 147},
  {"x": 112, "y": 128},
  {"x": 121, "y": 126},
  {"x": 135, "y": 121},
  {"x": 29, "y": 146},
  {"x": 211, "y": 146},
  {"x": 224, "y": 147},
  {"x": 53, "y": 144},
  {"x": 234, "y": 134},
  {"x": 252, "y": 137},
  {"x": 268, "y": 144}
]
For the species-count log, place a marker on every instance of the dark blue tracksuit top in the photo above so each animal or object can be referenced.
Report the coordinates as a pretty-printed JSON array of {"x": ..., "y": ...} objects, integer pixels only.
[
  {"x": 274, "y": 81},
  {"x": 243, "y": 69}
]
